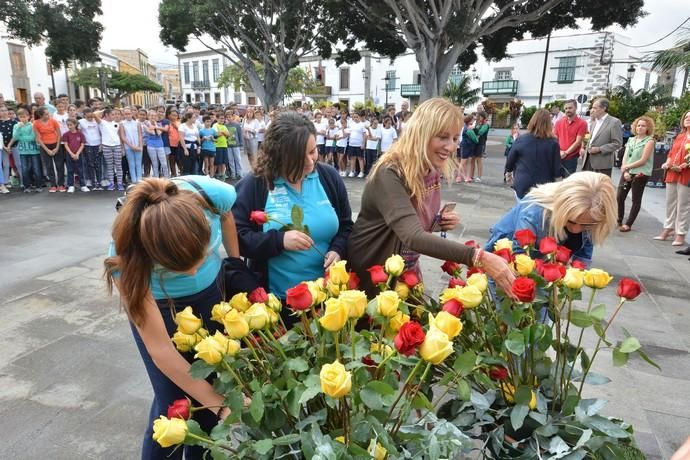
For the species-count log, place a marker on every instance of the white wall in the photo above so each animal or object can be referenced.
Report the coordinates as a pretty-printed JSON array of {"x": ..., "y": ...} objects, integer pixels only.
[{"x": 36, "y": 70}]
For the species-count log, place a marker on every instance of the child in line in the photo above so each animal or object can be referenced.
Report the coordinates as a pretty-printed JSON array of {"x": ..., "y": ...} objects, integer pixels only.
[
  {"x": 92, "y": 157},
  {"x": 221, "y": 158},
  {"x": 24, "y": 136},
  {"x": 331, "y": 139},
  {"x": 131, "y": 137},
  {"x": 48, "y": 139},
  {"x": 514, "y": 133},
  {"x": 153, "y": 131},
  {"x": 373, "y": 136},
  {"x": 73, "y": 141},
  {"x": 341, "y": 146},
  {"x": 208, "y": 136},
  {"x": 111, "y": 147},
  {"x": 190, "y": 144},
  {"x": 234, "y": 145},
  {"x": 3, "y": 189}
]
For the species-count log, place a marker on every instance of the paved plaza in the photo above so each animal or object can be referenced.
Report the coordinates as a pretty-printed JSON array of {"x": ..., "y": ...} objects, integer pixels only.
[{"x": 72, "y": 384}]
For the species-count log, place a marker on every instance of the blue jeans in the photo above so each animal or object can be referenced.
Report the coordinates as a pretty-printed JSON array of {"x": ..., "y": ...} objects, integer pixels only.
[
  {"x": 165, "y": 391},
  {"x": 94, "y": 157},
  {"x": 568, "y": 166},
  {"x": 74, "y": 167},
  {"x": 32, "y": 175},
  {"x": 134, "y": 161},
  {"x": 235, "y": 161}
]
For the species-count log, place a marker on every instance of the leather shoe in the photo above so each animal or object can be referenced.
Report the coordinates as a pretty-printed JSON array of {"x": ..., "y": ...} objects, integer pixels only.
[{"x": 684, "y": 252}]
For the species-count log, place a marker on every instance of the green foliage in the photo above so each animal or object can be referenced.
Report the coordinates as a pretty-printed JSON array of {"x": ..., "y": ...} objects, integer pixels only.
[
  {"x": 461, "y": 93},
  {"x": 298, "y": 82},
  {"x": 560, "y": 103},
  {"x": 676, "y": 56},
  {"x": 114, "y": 83},
  {"x": 627, "y": 105},
  {"x": 502, "y": 117},
  {"x": 68, "y": 28},
  {"x": 367, "y": 105},
  {"x": 673, "y": 112},
  {"x": 527, "y": 114}
]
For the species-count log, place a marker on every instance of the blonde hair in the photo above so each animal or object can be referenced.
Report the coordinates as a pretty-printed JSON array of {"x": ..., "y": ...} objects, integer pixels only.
[
  {"x": 581, "y": 192},
  {"x": 651, "y": 127},
  {"x": 409, "y": 155}
]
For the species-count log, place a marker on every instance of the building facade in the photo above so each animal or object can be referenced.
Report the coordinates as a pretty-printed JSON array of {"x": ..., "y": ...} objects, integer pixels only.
[
  {"x": 199, "y": 72},
  {"x": 25, "y": 70},
  {"x": 64, "y": 83},
  {"x": 136, "y": 61},
  {"x": 170, "y": 81}
]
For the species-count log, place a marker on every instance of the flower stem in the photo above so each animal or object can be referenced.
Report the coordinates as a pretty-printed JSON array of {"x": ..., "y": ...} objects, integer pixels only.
[
  {"x": 579, "y": 340},
  {"x": 239, "y": 380},
  {"x": 403, "y": 389},
  {"x": 336, "y": 340}
]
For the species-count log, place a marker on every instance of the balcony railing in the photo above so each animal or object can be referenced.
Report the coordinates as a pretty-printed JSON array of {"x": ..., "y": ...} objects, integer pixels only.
[
  {"x": 500, "y": 87},
  {"x": 201, "y": 84},
  {"x": 410, "y": 90}
]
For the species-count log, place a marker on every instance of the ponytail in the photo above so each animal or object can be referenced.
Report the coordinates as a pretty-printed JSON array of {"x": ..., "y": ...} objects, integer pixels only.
[{"x": 159, "y": 224}]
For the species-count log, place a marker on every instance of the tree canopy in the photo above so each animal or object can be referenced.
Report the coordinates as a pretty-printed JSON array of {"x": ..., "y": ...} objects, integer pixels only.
[
  {"x": 461, "y": 93},
  {"x": 113, "y": 83},
  {"x": 298, "y": 82},
  {"x": 68, "y": 28},
  {"x": 443, "y": 33},
  {"x": 272, "y": 33}
]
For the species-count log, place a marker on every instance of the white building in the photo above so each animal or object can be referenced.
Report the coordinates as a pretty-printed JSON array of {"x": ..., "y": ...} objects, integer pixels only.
[
  {"x": 25, "y": 70},
  {"x": 65, "y": 85}
]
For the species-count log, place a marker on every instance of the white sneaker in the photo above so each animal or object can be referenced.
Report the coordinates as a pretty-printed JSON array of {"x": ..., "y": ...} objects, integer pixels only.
[
  {"x": 105, "y": 183},
  {"x": 360, "y": 175},
  {"x": 70, "y": 189},
  {"x": 352, "y": 174},
  {"x": 84, "y": 188},
  {"x": 88, "y": 183},
  {"x": 342, "y": 173},
  {"x": 3, "y": 189},
  {"x": 477, "y": 179}
]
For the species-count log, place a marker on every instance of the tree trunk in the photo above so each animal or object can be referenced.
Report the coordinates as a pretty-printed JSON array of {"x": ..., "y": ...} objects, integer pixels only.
[
  {"x": 270, "y": 90},
  {"x": 435, "y": 65}
]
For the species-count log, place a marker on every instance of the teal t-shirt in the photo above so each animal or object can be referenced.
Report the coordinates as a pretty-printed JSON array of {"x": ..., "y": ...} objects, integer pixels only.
[
  {"x": 179, "y": 285},
  {"x": 25, "y": 138},
  {"x": 292, "y": 267},
  {"x": 208, "y": 144}
]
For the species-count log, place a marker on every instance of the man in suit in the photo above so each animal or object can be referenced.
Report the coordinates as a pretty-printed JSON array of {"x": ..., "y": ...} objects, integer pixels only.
[{"x": 606, "y": 138}]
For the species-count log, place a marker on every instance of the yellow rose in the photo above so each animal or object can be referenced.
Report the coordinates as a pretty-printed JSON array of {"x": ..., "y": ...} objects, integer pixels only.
[
  {"x": 274, "y": 317},
  {"x": 212, "y": 348},
  {"x": 317, "y": 293},
  {"x": 596, "y": 278},
  {"x": 478, "y": 280},
  {"x": 384, "y": 350},
  {"x": 236, "y": 325},
  {"x": 509, "y": 391},
  {"x": 257, "y": 316},
  {"x": 169, "y": 431},
  {"x": 219, "y": 311},
  {"x": 185, "y": 342},
  {"x": 338, "y": 273},
  {"x": 274, "y": 303},
  {"x": 402, "y": 290},
  {"x": 186, "y": 322},
  {"x": 524, "y": 264},
  {"x": 340, "y": 439},
  {"x": 469, "y": 296},
  {"x": 446, "y": 323},
  {"x": 240, "y": 302},
  {"x": 336, "y": 382},
  {"x": 387, "y": 303},
  {"x": 377, "y": 451},
  {"x": 504, "y": 243},
  {"x": 574, "y": 278},
  {"x": 333, "y": 288},
  {"x": 398, "y": 320},
  {"x": 394, "y": 265},
  {"x": 436, "y": 347},
  {"x": 355, "y": 301},
  {"x": 450, "y": 294},
  {"x": 336, "y": 315},
  {"x": 418, "y": 290}
]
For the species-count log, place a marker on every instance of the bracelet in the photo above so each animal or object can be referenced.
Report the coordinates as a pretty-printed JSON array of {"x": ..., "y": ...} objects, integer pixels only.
[{"x": 477, "y": 259}]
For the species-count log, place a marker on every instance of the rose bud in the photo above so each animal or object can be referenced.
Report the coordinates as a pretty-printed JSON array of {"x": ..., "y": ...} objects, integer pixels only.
[
  {"x": 498, "y": 373},
  {"x": 299, "y": 297},
  {"x": 450, "y": 267},
  {"x": 258, "y": 295},
  {"x": 539, "y": 266},
  {"x": 578, "y": 264},
  {"x": 525, "y": 237},
  {"x": 410, "y": 278},
  {"x": 454, "y": 307},
  {"x": 353, "y": 281},
  {"x": 548, "y": 245},
  {"x": 456, "y": 282},
  {"x": 258, "y": 217},
  {"x": 553, "y": 272},
  {"x": 179, "y": 409},
  {"x": 563, "y": 254},
  {"x": 524, "y": 289},
  {"x": 629, "y": 289},
  {"x": 505, "y": 253},
  {"x": 378, "y": 274}
]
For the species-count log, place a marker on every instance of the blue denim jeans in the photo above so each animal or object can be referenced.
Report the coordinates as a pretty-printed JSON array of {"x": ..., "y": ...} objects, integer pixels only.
[
  {"x": 165, "y": 391},
  {"x": 569, "y": 166},
  {"x": 134, "y": 161},
  {"x": 74, "y": 167},
  {"x": 32, "y": 175},
  {"x": 94, "y": 158}
]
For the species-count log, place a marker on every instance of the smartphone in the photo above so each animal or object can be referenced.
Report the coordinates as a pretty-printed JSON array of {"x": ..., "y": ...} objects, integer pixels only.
[{"x": 436, "y": 226}]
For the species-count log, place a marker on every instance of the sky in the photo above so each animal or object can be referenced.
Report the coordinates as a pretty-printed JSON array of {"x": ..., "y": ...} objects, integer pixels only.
[{"x": 131, "y": 24}]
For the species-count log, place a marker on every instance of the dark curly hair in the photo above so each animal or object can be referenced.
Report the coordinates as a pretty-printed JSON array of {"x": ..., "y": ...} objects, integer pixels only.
[{"x": 283, "y": 150}]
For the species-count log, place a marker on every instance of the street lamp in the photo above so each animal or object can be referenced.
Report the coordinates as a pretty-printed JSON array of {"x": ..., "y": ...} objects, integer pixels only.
[
  {"x": 386, "y": 79},
  {"x": 631, "y": 74}
]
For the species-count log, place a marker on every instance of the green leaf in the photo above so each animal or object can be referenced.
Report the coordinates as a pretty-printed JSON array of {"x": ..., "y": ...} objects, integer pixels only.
[
  {"x": 286, "y": 440},
  {"x": 297, "y": 216},
  {"x": 606, "y": 426},
  {"x": 309, "y": 394},
  {"x": 194, "y": 428},
  {"x": 464, "y": 363},
  {"x": 220, "y": 431},
  {"x": 420, "y": 401},
  {"x": 595, "y": 379},
  {"x": 630, "y": 345},
  {"x": 381, "y": 388},
  {"x": 256, "y": 408},
  {"x": 235, "y": 402},
  {"x": 264, "y": 446},
  {"x": 580, "y": 318},
  {"x": 523, "y": 395},
  {"x": 517, "y": 415},
  {"x": 619, "y": 358},
  {"x": 293, "y": 400},
  {"x": 200, "y": 370},
  {"x": 515, "y": 343},
  {"x": 644, "y": 356},
  {"x": 592, "y": 406},
  {"x": 598, "y": 312},
  {"x": 298, "y": 364},
  {"x": 371, "y": 398},
  {"x": 464, "y": 391}
]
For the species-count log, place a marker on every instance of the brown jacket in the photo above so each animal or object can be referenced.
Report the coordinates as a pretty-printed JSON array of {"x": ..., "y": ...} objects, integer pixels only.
[{"x": 387, "y": 222}]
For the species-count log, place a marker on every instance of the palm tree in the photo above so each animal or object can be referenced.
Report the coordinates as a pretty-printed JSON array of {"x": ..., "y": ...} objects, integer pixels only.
[
  {"x": 677, "y": 56},
  {"x": 460, "y": 92}
]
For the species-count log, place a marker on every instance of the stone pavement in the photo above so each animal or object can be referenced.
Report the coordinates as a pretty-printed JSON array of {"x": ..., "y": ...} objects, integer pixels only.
[{"x": 72, "y": 384}]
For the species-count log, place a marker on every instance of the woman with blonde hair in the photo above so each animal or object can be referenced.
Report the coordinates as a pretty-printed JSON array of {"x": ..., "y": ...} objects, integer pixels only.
[
  {"x": 579, "y": 212},
  {"x": 535, "y": 157},
  {"x": 402, "y": 198},
  {"x": 635, "y": 169}
]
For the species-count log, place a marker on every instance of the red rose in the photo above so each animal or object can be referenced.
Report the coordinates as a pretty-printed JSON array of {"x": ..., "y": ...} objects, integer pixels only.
[
  {"x": 553, "y": 272},
  {"x": 451, "y": 267},
  {"x": 563, "y": 254},
  {"x": 505, "y": 253},
  {"x": 410, "y": 336},
  {"x": 353, "y": 281},
  {"x": 456, "y": 282},
  {"x": 548, "y": 245},
  {"x": 378, "y": 274},
  {"x": 628, "y": 289},
  {"x": 472, "y": 244},
  {"x": 258, "y": 295},
  {"x": 524, "y": 288},
  {"x": 258, "y": 217},
  {"x": 525, "y": 237},
  {"x": 179, "y": 409},
  {"x": 473, "y": 270},
  {"x": 410, "y": 278},
  {"x": 367, "y": 361},
  {"x": 578, "y": 264},
  {"x": 539, "y": 266},
  {"x": 299, "y": 297},
  {"x": 498, "y": 373},
  {"x": 454, "y": 307}
]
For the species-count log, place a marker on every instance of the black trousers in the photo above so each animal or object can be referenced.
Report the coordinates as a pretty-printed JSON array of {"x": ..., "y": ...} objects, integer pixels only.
[{"x": 637, "y": 185}]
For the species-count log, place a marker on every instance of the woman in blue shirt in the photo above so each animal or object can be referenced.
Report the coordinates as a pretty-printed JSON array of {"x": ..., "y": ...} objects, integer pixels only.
[
  {"x": 578, "y": 212},
  {"x": 287, "y": 174},
  {"x": 159, "y": 272}
]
